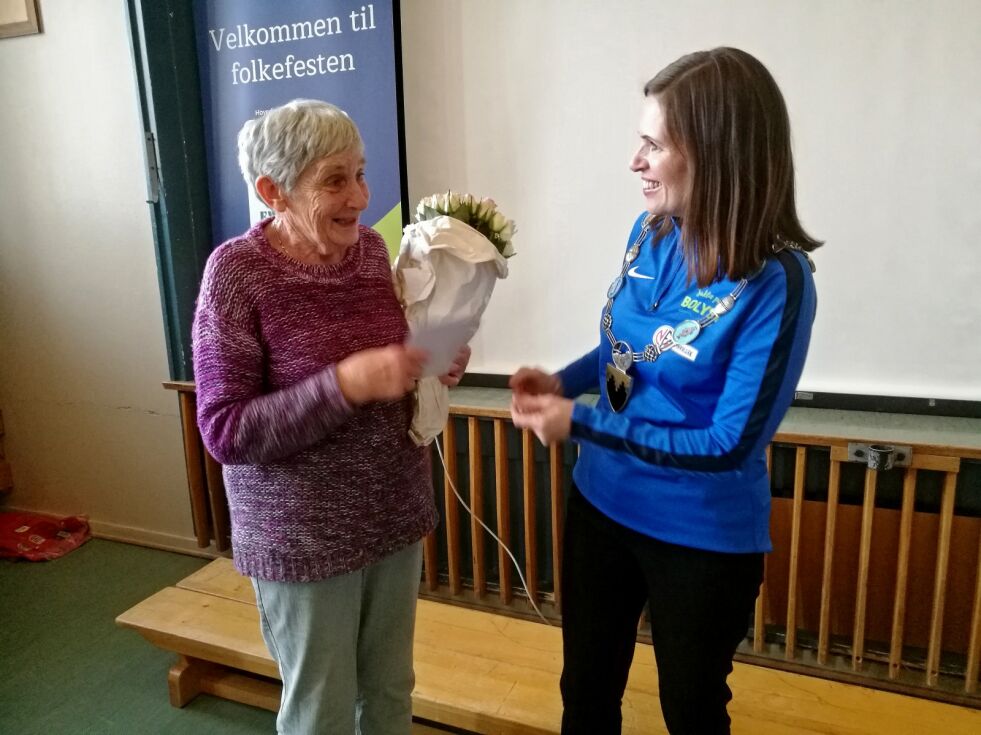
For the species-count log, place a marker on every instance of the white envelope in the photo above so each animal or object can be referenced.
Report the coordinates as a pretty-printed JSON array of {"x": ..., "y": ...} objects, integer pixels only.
[{"x": 442, "y": 341}]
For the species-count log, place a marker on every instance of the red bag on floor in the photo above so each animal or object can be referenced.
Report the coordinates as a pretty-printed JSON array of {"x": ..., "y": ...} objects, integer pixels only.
[{"x": 40, "y": 538}]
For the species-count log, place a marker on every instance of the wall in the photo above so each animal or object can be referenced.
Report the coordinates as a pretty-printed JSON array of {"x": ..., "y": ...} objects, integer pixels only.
[{"x": 89, "y": 429}]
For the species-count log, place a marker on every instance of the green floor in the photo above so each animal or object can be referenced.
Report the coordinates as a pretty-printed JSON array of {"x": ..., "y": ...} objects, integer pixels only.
[{"x": 65, "y": 667}]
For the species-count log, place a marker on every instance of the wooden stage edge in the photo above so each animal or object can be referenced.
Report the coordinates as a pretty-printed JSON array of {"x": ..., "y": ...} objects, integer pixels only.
[{"x": 499, "y": 675}]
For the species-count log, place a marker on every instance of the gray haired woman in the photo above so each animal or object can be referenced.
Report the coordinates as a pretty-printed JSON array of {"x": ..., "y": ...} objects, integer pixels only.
[{"x": 303, "y": 387}]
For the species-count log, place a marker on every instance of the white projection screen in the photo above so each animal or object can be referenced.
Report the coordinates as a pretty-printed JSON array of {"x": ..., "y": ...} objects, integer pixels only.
[{"x": 536, "y": 103}]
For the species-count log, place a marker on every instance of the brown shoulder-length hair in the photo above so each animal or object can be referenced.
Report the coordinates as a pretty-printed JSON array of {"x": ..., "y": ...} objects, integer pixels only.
[{"x": 725, "y": 112}]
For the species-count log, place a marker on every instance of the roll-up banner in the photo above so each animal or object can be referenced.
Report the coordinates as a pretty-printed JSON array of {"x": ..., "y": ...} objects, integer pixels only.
[{"x": 254, "y": 55}]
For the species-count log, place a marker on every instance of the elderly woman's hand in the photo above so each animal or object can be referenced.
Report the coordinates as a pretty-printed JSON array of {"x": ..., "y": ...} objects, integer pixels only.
[
  {"x": 380, "y": 374},
  {"x": 458, "y": 367},
  {"x": 549, "y": 416}
]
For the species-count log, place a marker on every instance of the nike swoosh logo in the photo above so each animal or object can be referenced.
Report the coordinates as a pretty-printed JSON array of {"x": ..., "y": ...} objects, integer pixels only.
[{"x": 633, "y": 272}]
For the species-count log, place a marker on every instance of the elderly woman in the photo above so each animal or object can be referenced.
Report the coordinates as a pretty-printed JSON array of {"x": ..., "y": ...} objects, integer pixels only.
[
  {"x": 701, "y": 343},
  {"x": 303, "y": 387}
]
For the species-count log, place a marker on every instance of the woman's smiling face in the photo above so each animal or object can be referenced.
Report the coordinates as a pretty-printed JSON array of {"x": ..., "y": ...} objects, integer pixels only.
[
  {"x": 328, "y": 199},
  {"x": 661, "y": 164}
]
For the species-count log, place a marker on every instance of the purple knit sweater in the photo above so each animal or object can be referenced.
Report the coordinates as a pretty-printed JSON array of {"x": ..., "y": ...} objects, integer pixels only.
[{"x": 315, "y": 488}]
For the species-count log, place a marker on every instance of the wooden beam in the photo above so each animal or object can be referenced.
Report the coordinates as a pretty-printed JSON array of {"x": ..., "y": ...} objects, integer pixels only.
[
  {"x": 555, "y": 483},
  {"x": 531, "y": 542},
  {"x": 864, "y": 553},
  {"x": 827, "y": 573},
  {"x": 194, "y": 463},
  {"x": 940, "y": 579},
  {"x": 503, "y": 496},
  {"x": 217, "y": 503},
  {"x": 451, "y": 512},
  {"x": 800, "y": 470},
  {"x": 759, "y": 611},
  {"x": 902, "y": 573},
  {"x": 430, "y": 561},
  {"x": 476, "y": 509},
  {"x": 974, "y": 646}
]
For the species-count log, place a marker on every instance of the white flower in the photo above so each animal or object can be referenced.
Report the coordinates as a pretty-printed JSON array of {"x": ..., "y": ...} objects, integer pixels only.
[
  {"x": 486, "y": 207},
  {"x": 481, "y": 214},
  {"x": 498, "y": 221}
]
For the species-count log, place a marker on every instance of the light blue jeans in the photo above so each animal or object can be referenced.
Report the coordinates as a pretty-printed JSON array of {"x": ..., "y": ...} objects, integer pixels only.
[{"x": 344, "y": 648}]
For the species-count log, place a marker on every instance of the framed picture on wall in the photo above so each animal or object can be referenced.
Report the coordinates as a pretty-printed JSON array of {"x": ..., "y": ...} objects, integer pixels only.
[{"x": 18, "y": 18}]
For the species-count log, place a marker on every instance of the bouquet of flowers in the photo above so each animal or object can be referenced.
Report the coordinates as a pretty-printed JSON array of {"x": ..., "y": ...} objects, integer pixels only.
[
  {"x": 448, "y": 263},
  {"x": 482, "y": 215}
]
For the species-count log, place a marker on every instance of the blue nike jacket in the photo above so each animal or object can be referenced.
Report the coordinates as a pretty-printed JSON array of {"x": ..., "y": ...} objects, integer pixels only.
[{"x": 684, "y": 462}]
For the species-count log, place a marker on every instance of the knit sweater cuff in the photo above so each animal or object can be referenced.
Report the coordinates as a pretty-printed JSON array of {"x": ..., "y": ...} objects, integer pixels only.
[{"x": 336, "y": 406}]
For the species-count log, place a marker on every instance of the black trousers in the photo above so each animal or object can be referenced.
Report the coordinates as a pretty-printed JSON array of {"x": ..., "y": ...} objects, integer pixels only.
[{"x": 700, "y": 604}]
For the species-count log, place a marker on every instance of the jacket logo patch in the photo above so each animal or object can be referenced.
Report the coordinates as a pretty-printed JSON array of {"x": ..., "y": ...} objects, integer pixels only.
[{"x": 664, "y": 335}]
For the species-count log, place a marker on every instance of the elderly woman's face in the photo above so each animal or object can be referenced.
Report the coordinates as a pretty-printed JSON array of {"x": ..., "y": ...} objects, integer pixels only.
[
  {"x": 328, "y": 199},
  {"x": 662, "y": 166}
]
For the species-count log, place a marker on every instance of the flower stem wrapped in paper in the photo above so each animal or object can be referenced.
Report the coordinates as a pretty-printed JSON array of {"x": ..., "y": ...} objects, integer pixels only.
[{"x": 449, "y": 260}]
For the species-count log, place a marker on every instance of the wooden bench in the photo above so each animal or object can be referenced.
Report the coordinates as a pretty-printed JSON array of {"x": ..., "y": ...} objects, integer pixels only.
[{"x": 493, "y": 674}]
